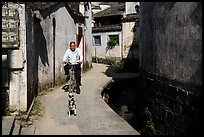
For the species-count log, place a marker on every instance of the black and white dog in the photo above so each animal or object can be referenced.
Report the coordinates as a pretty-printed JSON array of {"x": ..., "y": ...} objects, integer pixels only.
[{"x": 71, "y": 104}]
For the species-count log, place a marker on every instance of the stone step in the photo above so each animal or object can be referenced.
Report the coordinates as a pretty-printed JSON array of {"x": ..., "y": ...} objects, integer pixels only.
[{"x": 8, "y": 123}]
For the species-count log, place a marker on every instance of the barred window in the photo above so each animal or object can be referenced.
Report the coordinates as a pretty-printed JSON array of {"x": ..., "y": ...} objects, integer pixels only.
[{"x": 97, "y": 40}]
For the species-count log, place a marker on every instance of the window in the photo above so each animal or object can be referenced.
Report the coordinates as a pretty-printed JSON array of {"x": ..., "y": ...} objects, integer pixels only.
[
  {"x": 80, "y": 35},
  {"x": 113, "y": 40},
  {"x": 80, "y": 31},
  {"x": 97, "y": 40}
]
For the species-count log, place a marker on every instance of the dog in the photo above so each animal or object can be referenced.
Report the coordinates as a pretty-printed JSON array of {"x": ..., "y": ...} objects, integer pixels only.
[
  {"x": 66, "y": 88},
  {"x": 71, "y": 104}
]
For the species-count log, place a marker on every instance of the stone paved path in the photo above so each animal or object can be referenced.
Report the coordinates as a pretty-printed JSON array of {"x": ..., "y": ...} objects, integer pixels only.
[{"x": 94, "y": 116}]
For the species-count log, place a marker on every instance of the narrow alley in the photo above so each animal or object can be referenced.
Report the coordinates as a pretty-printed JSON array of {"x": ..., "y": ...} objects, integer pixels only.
[
  {"x": 140, "y": 64},
  {"x": 94, "y": 116}
]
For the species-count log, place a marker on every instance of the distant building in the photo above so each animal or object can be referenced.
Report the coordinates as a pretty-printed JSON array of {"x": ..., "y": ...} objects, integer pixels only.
[{"x": 114, "y": 29}]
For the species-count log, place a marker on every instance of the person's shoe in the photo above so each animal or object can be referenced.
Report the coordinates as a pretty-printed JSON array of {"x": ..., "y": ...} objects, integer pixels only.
[{"x": 78, "y": 90}]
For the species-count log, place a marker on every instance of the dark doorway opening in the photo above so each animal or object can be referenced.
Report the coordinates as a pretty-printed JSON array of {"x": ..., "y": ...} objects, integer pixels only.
[{"x": 54, "y": 27}]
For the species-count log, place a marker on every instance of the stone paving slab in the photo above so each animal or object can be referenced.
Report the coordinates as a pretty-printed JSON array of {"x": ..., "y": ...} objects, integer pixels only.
[
  {"x": 16, "y": 130},
  {"x": 7, "y": 124}
]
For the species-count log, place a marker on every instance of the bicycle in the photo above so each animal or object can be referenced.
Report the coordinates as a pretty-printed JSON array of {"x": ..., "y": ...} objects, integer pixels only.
[
  {"x": 72, "y": 80},
  {"x": 71, "y": 89}
]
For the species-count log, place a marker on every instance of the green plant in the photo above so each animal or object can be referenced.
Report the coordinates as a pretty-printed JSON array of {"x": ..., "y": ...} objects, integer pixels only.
[
  {"x": 149, "y": 128},
  {"x": 103, "y": 61},
  {"x": 44, "y": 89},
  {"x": 147, "y": 113},
  {"x": 113, "y": 40},
  {"x": 118, "y": 66},
  {"x": 7, "y": 112},
  {"x": 42, "y": 92},
  {"x": 94, "y": 59},
  {"x": 106, "y": 97},
  {"x": 86, "y": 66},
  {"x": 36, "y": 110}
]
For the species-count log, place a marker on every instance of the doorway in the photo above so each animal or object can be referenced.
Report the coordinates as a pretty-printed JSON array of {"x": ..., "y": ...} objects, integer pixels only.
[{"x": 54, "y": 27}]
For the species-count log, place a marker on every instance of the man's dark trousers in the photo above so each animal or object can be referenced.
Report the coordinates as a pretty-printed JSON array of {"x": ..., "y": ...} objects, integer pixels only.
[{"x": 77, "y": 69}]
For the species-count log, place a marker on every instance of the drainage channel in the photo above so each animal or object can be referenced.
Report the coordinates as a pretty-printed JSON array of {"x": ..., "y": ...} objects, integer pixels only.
[{"x": 124, "y": 98}]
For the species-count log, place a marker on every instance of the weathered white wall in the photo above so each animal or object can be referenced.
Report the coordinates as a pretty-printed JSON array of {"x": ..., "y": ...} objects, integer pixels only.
[
  {"x": 128, "y": 36},
  {"x": 101, "y": 52},
  {"x": 64, "y": 35},
  {"x": 18, "y": 79},
  {"x": 88, "y": 35},
  {"x": 65, "y": 32},
  {"x": 130, "y": 7},
  {"x": 81, "y": 45}
]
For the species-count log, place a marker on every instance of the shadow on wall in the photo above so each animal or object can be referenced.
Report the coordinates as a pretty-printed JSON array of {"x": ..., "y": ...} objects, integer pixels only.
[
  {"x": 4, "y": 101},
  {"x": 38, "y": 52},
  {"x": 40, "y": 42},
  {"x": 4, "y": 93}
]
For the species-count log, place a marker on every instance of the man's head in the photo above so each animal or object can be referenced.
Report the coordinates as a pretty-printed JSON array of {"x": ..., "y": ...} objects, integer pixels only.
[{"x": 72, "y": 45}]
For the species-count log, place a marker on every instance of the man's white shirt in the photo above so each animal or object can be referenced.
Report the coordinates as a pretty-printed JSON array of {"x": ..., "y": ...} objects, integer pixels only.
[{"x": 73, "y": 57}]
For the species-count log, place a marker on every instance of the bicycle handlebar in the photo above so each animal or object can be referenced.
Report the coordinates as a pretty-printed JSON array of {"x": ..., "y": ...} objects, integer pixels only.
[
  {"x": 68, "y": 63},
  {"x": 71, "y": 64}
]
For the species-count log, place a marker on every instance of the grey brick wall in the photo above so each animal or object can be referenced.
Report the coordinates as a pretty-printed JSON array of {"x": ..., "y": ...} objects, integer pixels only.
[
  {"x": 171, "y": 65},
  {"x": 176, "y": 107}
]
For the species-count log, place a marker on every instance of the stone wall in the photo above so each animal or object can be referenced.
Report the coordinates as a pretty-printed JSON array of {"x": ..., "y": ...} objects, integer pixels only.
[
  {"x": 171, "y": 40},
  {"x": 176, "y": 107},
  {"x": 171, "y": 65}
]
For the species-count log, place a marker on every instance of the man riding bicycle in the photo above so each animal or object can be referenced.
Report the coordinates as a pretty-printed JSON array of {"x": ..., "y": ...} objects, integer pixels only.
[{"x": 73, "y": 56}]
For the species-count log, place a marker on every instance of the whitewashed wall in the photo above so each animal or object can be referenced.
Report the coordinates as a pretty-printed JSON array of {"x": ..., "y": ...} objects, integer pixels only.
[
  {"x": 18, "y": 79},
  {"x": 65, "y": 32},
  {"x": 128, "y": 36}
]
